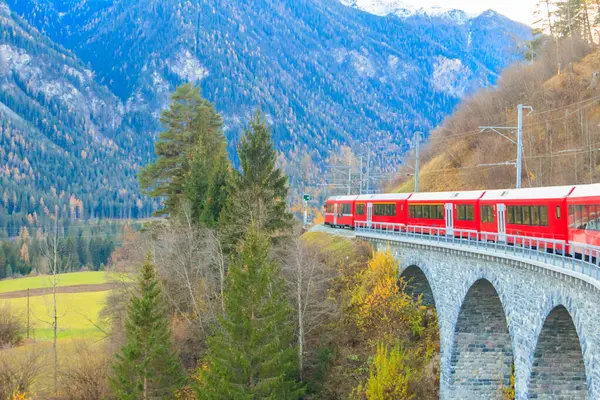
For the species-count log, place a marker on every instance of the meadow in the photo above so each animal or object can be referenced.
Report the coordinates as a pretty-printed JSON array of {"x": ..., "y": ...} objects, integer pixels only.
[
  {"x": 45, "y": 281},
  {"x": 78, "y": 314}
]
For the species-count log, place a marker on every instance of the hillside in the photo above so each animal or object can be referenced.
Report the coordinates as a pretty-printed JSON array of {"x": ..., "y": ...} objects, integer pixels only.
[
  {"x": 561, "y": 138},
  {"x": 58, "y": 128},
  {"x": 84, "y": 83}
]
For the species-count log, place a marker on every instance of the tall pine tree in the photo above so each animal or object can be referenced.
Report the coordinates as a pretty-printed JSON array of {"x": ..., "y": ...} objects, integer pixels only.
[
  {"x": 186, "y": 152},
  {"x": 252, "y": 355},
  {"x": 258, "y": 194},
  {"x": 147, "y": 368}
]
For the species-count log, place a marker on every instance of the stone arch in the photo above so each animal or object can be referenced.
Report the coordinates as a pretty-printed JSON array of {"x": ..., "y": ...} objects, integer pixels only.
[
  {"x": 558, "y": 370},
  {"x": 417, "y": 284},
  {"x": 482, "y": 358}
]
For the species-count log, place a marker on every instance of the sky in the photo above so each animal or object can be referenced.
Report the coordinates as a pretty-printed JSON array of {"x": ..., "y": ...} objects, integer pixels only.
[{"x": 519, "y": 10}]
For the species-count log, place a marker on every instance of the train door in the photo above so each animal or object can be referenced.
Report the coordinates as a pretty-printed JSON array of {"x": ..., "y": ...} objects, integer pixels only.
[
  {"x": 369, "y": 214},
  {"x": 335, "y": 214},
  {"x": 501, "y": 211},
  {"x": 449, "y": 219}
]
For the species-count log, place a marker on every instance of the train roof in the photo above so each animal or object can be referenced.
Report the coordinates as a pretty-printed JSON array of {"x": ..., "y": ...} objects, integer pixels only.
[
  {"x": 343, "y": 198},
  {"x": 442, "y": 196},
  {"x": 384, "y": 196},
  {"x": 592, "y": 190},
  {"x": 539, "y": 193}
]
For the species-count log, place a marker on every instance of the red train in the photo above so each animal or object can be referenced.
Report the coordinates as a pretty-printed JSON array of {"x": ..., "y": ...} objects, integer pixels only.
[{"x": 565, "y": 215}]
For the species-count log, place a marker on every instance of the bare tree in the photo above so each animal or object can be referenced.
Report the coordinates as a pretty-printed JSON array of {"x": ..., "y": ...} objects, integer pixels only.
[
  {"x": 19, "y": 371},
  {"x": 57, "y": 263},
  {"x": 308, "y": 281}
]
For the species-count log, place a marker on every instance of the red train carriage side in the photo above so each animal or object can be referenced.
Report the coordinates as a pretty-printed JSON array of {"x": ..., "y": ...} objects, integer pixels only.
[
  {"x": 584, "y": 216},
  {"x": 447, "y": 210},
  {"x": 339, "y": 211},
  {"x": 375, "y": 209},
  {"x": 532, "y": 212}
]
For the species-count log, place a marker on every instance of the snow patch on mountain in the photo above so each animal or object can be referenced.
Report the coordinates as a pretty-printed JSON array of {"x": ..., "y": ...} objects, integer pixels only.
[
  {"x": 451, "y": 76},
  {"x": 12, "y": 58},
  {"x": 4, "y": 10},
  {"x": 406, "y": 9},
  {"x": 188, "y": 67}
]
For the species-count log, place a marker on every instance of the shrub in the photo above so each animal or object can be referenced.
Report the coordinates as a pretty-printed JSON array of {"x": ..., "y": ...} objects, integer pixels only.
[
  {"x": 85, "y": 377},
  {"x": 19, "y": 371},
  {"x": 11, "y": 327}
]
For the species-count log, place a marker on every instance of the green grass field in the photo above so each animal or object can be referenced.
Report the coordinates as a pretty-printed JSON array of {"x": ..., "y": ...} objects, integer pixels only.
[
  {"x": 45, "y": 281},
  {"x": 78, "y": 314}
]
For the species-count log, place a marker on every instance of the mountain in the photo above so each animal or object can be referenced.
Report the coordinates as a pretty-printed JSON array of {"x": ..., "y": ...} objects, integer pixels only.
[
  {"x": 57, "y": 132},
  {"x": 561, "y": 138},
  {"x": 323, "y": 73}
]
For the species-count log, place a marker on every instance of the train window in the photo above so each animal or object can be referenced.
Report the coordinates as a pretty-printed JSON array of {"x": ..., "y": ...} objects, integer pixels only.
[
  {"x": 526, "y": 215},
  {"x": 360, "y": 209},
  {"x": 544, "y": 216},
  {"x": 470, "y": 213},
  {"x": 461, "y": 213},
  {"x": 440, "y": 212},
  {"x": 535, "y": 216},
  {"x": 346, "y": 209},
  {"x": 419, "y": 211},
  {"x": 518, "y": 215},
  {"x": 557, "y": 212},
  {"x": 426, "y": 212},
  {"x": 487, "y": 214},
  {"x": 384, "y": 210},
  {"x": 330, "y": 208},
  {"x": 466, "y": 213},
  {"x": 511, "y": 214}
]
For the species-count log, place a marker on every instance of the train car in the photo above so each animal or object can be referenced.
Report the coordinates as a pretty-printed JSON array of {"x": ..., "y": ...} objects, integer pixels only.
[
  {"x": 584, "y": 216},
  {"x": 376, "y": 209},
  {"x": 448, "y": 211},
  {"x": 531, "y": 212},
  {"x": 339, "y": 211}
]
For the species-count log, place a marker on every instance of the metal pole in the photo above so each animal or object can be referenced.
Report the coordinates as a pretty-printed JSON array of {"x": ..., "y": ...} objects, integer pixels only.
[
  {"x": 417, "y": 137},
  {"x": 349, "y": 174},
  {"x": 361, "y": 175},
  {"x": 27, "y": 313},
  {"x": 369, "y": 169},
  {"x": 519, "y": 144}
]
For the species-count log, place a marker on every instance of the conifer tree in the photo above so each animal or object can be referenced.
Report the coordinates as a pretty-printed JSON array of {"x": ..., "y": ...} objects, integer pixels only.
[
  {"x": 186, "y": 152},
  {"x": 258, "y": 194},
  {"x": 252, "y": 355},
  {"x": 146, "y": 368}
]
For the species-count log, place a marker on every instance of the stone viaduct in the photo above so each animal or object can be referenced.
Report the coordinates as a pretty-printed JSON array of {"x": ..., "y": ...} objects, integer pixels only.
[{"x": 498, "y": 312}]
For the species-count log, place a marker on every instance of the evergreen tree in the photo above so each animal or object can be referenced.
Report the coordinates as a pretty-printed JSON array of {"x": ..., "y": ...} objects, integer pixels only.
[
  {"x": 209, "y": 167},
  {"x": 258, "y": 194},
  {"x": 252, "y": 355},
  {"x": 185, "y": 151},
  {"x": 146, "y": 367}
]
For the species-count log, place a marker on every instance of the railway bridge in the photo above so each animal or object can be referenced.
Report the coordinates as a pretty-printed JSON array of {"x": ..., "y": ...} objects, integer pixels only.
[{"x": 504, "y": 310}]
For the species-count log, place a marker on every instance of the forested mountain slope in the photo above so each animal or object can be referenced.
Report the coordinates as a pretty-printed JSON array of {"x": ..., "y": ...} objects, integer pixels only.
[
  {"x": 324, "y": 74},
  {"x": 57, "y": 129}
]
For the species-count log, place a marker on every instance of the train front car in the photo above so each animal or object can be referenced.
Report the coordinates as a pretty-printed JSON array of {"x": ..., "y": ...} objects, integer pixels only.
[
  {"x": 445, "y": 213},
  {"x": 339, "y": 211},
  {"x": 517, "y": 216},
  {"x": 386, "y": 211},
  {"x": 584, "y": 219}
]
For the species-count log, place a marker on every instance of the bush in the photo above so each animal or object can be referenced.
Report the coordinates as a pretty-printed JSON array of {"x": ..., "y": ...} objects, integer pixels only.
[
  {"x": 19, "y": 371},
  {"x": 11, "y": 327},
  {"x": 85, "y": 377}
]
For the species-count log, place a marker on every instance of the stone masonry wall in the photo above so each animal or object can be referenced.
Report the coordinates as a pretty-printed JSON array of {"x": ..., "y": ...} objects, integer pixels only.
[{"x": 527, "y": 292}]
